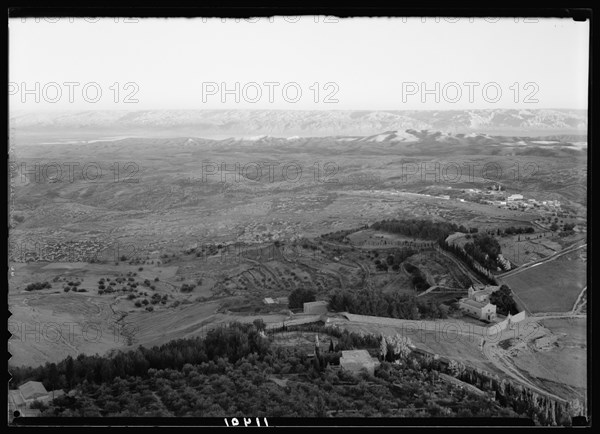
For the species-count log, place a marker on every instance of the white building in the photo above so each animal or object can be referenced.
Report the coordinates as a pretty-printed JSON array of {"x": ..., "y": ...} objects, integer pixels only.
[
  {"x": 478, "y": 305},
  {"x": 357, "y": 360},
  {"x": 514, "y": 197},
  {"x": 22, "y": 398}
]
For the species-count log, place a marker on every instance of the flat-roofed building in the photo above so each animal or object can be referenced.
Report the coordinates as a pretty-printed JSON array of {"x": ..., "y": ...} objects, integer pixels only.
[
  {"x": 316, "y": 307},
  {"x": 357, "y": 360}
]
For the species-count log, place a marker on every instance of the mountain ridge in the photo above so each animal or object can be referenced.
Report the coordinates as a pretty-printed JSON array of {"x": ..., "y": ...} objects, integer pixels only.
[{"x": 227, "y": 123}]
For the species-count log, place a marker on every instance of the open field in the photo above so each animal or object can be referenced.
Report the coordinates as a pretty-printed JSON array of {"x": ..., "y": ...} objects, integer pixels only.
[
  {"x": 49, "y": 327},
  {"x": 552, "y": 286},
  {"x": 561, "y": 366}
]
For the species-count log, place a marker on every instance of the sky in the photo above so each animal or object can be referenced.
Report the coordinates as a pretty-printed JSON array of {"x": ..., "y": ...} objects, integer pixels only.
[{"x": 298, "y": 63}]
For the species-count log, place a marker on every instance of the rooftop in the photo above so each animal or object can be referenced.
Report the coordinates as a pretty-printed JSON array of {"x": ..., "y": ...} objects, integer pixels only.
[
  {"x": 316, "y": 303},
  {"x": 487, "y": 290},
  {"x": 32, "y": 389},
  {"x": 357, "y": 355},
  {"x": 474, "y": 303}
]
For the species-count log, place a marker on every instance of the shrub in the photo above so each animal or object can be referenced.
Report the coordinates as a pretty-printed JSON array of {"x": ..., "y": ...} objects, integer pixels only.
[
  {"x": 187, "y": 287},
  {"x": 37, "y": 286}
]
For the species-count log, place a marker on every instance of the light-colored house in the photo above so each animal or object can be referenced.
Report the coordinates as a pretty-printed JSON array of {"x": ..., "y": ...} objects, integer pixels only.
[
  {"x": 357, "y": 360},
  {"x": 32, "y": 390},
  {"x": 514, "y": 197},
  {"x": 278, "y": 300},
  {"x": 479, "y": 310},
  {"x": 478, "y": 305},
  {"x": 316, "y": 307}
]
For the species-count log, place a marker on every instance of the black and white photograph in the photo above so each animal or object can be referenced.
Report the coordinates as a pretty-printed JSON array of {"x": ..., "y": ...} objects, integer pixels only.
[{"x": 262, "y": 219}]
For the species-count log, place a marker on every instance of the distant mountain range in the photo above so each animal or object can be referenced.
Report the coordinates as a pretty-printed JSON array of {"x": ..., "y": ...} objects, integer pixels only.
[{"x": 287, "y": 123}]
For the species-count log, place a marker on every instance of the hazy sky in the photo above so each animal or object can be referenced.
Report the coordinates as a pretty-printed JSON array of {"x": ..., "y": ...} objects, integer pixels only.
[{"x": 360, "y": 63}]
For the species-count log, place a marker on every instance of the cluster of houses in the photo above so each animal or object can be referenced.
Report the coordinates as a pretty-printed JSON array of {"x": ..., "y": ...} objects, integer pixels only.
[
  {"x": 62, "y": 251},
  {"x": 496, "y": 196},
  {"x": 518, "y": 202}
]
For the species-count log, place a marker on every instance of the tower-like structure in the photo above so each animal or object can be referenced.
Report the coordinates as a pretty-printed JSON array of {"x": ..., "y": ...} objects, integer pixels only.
[
  {"x": 317, "y": 349},
  {"x": 471, "y": 291}
]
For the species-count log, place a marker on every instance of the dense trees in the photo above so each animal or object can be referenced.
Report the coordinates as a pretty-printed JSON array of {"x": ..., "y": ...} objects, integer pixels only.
[
  {"x": 394, "y": 348},
  {"x": 423, "y": 229},
  {"x": 38, "y": 286},
  {"x": 513, "y": 230},
  {"x": 484, "y": 249},
  {"x": 230, "y": 342},
  {"x": 182, "y": 379},
  {"x": 483, "y": 273},
  {"x": 299, "y": 296},
  {"x": 504, "y": 302},
  {"x": 204, "y": 377},
  {"x": 376, "y": 303},
  {"x": 393, "y": 259},
  {"x": 244, "y": 388},
  {"x": 419, "y": 280}
]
